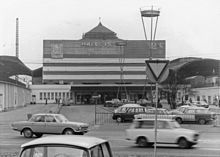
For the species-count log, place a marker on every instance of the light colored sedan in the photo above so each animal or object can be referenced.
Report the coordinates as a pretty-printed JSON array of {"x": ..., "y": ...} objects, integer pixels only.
[
  {"x": 49, "y": 123},
  {"x": 66, "y": 146},
  {"x": 142, "y": 132}
]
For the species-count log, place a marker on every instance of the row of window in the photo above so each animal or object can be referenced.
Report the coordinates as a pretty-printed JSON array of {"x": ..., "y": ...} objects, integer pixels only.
[{"x": 54, "y": 95}]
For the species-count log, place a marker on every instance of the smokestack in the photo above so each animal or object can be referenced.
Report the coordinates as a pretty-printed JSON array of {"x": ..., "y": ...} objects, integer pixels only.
[{"x": 17, "y": 38}]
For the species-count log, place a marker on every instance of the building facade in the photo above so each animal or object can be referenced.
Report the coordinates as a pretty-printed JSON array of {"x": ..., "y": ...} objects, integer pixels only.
[{"x": 98, "y": 64}]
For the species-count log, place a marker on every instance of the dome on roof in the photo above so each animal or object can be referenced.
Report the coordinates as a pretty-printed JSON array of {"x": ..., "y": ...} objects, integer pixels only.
[{"x": 100, "y": 32}]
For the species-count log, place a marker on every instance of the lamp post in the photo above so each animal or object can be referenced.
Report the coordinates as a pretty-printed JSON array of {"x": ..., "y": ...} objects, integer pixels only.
[
  {"x": 96, "y": 97},
  {"x": 121, "y": 45}
]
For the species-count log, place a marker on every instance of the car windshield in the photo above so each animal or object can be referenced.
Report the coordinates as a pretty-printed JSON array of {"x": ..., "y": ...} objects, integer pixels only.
[
  {"x": 61, "y": 118},
  {"x": 54, "y": 151},
  {"x": 174, "y": 124}
]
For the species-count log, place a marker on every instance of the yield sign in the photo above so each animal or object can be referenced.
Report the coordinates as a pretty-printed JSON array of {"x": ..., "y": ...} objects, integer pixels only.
[{"x": 157, "y": 68}]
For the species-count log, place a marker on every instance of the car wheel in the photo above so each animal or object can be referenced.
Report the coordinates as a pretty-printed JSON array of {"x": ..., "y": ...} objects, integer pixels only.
[
  {"x": 183, "y": 143},
  {"x": 38, "y": 135},
  {"x": 142, "y": 142},
  {"x": 179, "y": 120},
  {"x": 202, "y": 121},
  {"x": 68, "y": 132},
  {"x": 119, "y": 119},
  {"x": 27, "y": 133}
]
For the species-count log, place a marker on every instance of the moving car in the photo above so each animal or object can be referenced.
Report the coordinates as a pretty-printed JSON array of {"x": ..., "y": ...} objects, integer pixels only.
[
  {"x": 126, "y": 112},
  {"x": 49, "y": 123},
  {"x": 187, "y": 113},
  {"x": 66, "y": 146},
  {"x": 150, "y": 113},
  {"x": 113, "y": 103},
  {"x": 142, "y": 132}
]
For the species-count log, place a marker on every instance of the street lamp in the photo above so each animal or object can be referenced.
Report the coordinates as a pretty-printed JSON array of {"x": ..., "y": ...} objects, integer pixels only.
[
  {"x": 96, "y": 97},
  {"x": 121, "y": 45}
]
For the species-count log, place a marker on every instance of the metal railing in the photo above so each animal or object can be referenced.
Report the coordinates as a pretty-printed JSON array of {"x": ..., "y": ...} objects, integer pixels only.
[{"x": 106, "y": 118}]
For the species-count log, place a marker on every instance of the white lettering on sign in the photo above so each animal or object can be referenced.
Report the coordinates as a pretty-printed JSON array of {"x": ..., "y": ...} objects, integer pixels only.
[
  {"x": 156, "y": 45},
  {"x": 97, "y": 44}
]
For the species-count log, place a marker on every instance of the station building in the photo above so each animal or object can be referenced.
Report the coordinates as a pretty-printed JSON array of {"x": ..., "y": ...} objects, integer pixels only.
[{"x": 98, "y": 64}]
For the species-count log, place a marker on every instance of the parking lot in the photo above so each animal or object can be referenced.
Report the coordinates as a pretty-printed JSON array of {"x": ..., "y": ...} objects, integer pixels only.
[{"x": 114, "y": 132}]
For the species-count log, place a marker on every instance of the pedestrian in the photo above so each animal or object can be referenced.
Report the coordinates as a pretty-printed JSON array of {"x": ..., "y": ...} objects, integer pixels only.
[
  {"x": 45, "y": 101},
  {"x": 219, "y": 102}
]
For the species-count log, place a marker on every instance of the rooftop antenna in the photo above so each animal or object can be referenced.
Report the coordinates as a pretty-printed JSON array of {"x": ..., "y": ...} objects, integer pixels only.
[{"x": 17, "y": 38}]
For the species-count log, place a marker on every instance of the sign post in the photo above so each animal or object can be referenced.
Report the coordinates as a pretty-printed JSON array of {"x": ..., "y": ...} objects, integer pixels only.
[{"x": 157, "y": 72}]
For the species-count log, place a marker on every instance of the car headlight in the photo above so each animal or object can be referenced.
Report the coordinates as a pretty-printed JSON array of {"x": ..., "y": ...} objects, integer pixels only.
[
  {"x": 79, "y": 128},
  {"x": 195, "y": 137}
]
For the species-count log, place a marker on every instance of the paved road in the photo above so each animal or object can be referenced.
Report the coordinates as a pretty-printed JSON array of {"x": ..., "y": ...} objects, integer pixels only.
[{"x": 209, "y": 145}]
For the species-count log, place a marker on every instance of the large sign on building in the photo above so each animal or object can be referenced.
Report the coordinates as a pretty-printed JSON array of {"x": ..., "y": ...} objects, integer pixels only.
[{"x": 103, "y": 48}]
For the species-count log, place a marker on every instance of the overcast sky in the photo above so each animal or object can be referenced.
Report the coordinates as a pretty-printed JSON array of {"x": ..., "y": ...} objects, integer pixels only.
[{"x": 191, "y": 28}]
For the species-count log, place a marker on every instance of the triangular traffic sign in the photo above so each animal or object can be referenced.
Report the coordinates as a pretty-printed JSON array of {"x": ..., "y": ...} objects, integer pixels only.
[{"x": 157, "y": 67}]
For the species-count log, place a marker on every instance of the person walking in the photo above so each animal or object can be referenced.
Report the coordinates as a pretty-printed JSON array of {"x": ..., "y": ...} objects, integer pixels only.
[{"x": 45, "y": 101}]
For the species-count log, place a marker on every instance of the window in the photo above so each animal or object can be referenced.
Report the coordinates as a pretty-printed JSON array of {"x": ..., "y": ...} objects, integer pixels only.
[
  {"x": 38, "y": 152},
  {"x": 96, "y": 152},
  {"x": 45, "y": 95},
  {"x": 52, "y": 96},
  {"x": 54, "y": 151},
  {"x": 145, "y": 124},
  {"x": 130, "y": 110},
  {"x": 190, "y": 111},
  {"x": 41, "y": 96},
  {"x": 37, "y": 118},
  {"x": 50, "y": 119},
  {"x": 162, "y": 125},
  {"x": 48, "y": 96},
  {"x": 105, "y": 149}
]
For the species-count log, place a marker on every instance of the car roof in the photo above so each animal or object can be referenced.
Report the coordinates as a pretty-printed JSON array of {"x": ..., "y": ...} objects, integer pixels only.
[
  {"x": 147, "y": 119},
  {"x": 74, "y": 140},
  {"x": 46, "y": 114},
  {"x": 131, "y": 105}
]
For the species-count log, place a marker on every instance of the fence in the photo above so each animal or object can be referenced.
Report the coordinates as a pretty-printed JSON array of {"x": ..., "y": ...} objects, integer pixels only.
[
  {"x": 106, "y": 117},
  {"x": 103, "y": 118}
]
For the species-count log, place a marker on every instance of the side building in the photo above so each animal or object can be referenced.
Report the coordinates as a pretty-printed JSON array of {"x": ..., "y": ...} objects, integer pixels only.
[
  {"x": 14, "y": 87},
  {"x": 98, "y": 64}
]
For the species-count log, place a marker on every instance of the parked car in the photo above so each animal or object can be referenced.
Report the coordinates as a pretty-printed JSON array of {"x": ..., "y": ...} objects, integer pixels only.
[
  {"x": 144, "y": 102},
  {"x": 49, "y": 123},
  {"x": 113, "y": 103},
  {"x": 188, "y": 113},
  {"x": 150, "y": 113},
  {"x": 127, "y": 112},
  {"x": 67, "y": 102},
  {"x": 200, "y": 104},
  {"x": 66, "y": 146},
  {"x": 142, "y": 132}
]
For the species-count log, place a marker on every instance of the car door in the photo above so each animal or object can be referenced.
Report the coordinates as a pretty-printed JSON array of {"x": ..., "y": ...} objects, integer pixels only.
[
  {"x": 130, "y": 113},
  {"x": 189, "y": 115},
  {"x": 38, "y": 123},
  {"x": 164, "y": 132},
  {"x": 52, "y": 126}
]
